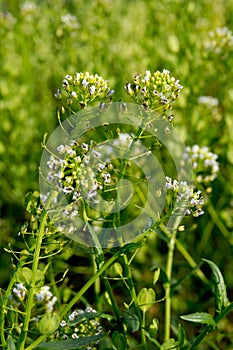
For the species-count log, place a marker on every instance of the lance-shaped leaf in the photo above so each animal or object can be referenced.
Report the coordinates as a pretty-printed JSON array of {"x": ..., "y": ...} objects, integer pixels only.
[
  {"x": 70, "y": 343},
  {"x": 220, "y": 293},
  {"x": 200, "y": 317}
]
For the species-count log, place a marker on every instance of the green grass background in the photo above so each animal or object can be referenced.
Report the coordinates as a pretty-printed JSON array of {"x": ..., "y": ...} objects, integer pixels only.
[{"x": 117, "y": 39}]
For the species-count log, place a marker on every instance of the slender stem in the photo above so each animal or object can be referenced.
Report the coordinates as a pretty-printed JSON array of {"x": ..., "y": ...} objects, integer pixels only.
[
  {"x": 167, "y": 286},
  {"x": 191, "y": 262},
  {"x": 218, "y": 221},
  {"x": 36, "y": 258},
  {"x": 112, "y": 298},
  {"x": 186, "y": 255},
  {"x": 6, "y": 298},
  {"x": 36, "y": 342},
  {"x": 143, "y": 335},
  {"x": 97, "y": 282},
  {"x": 99, "y": 261},
  {"x": 77, "y": 296},
  {"x": 89, "y": 283},
  {"x": 135, "y": 301}
]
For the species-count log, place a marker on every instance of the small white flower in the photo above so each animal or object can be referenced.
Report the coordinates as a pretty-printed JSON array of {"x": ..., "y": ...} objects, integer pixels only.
[
  {"x": 20, "y": 291},
  {"x": 63, "y": 323},
  {"x": 61, "y": 148},
  {"x": 65, "y": 83},
  {"x": 58, "y": 94},
  {"x": 73, "y": 94},
  {"x": 71, "y": 317},
  {"x": 85, "y": 146},
  {"x": 96, "y": 154},
  {"x": 107, "y": 178},
  {"x": 92, "y": 89},
  {"x": 75, "y": 336},
  {"x": 85, "y": 83}
]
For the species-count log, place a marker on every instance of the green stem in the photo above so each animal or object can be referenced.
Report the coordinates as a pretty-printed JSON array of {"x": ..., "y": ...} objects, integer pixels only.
[
  {"x": 99, "y": 261},
  {"x": 78, "y": 296},
  {"x": 6, "y": 298},
  {"x": 218, "y": 221},
  {"x": 185, "y": 254},
  {"x": 36, "y": 258},
  {"x": 167, "y": 286},
  {"x": 89, "y": 283},
  {"x": 97, "y": 282},
  {"x": 191, "y": 262},
  {"x": 112, "y": 298},
  {"x": 143, "y": 335},
  {"x": 133, "y": 295}
]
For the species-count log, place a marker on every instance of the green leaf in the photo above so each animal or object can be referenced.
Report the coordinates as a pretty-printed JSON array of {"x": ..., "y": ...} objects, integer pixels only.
[
  {"x": 10, "y": 343},
  {"x": 153, "y": 328},
  {"x": 220, "y": 293},
  {"x": 156, "y": 275},
  {"x": 32, "y": 201},
  {"x": 49, "y": 324},
  {"x": 200, "y": 317},
  {"x": 24, "y": 276},
  {"x": 131, "y": 321},
  {"x": 70, "y": 343},
  {"x": 119, "y": 341},
  {"x": 181, "y": 335},
  {"x": 146, "y": 299},
  {"x": 169, "y": 344}
]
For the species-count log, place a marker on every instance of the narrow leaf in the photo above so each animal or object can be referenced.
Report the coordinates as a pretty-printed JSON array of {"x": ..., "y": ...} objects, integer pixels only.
[
  {"x": 200, "y": 317},
  {"x": 70, "y": 343},
  {"x": 156, "y": 275},
  {"x": 220, "y": 293},
  {"x": 10, "y": 343},
  {"x": 181, "y": 335}
]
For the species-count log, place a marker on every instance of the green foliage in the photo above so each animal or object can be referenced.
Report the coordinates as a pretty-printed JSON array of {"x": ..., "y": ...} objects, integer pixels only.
[
  {"x": 200, "y": 317},
  {"x": 220, "y": 292},
  {"x": 119, "y": 341},
  {"x": 42, "y": 42},
  {"x": 69, "y": 344}
]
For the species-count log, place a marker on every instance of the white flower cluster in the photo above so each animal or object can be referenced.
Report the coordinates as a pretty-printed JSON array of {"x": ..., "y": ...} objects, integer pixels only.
[
  {"x": 43, "y": 296},
  {"x": 29, "y": 9},
  {"x": 191, "y": 200},
  {"x": 83, "y": 88},
  {"x": 80, "y": 323},
  {"x": 154, "y": 90},
  {"x": 20, "y": 292},
  {"x": 205, "y": 164},
  {"x": 220, "y": 41},
  {"x": 208, "y": 101},
  {"x": 80, "y": 172},
  {"x": 7, "y": 20},
  {"x": 70, "y": 21},
  {"x": 68, "y": 26},
  {"x": 77, "y": 173}
]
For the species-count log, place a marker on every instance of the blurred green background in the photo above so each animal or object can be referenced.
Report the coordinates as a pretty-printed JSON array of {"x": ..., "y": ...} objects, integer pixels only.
[{"x": 41, "y": 41}]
